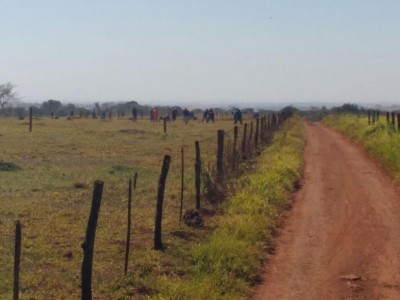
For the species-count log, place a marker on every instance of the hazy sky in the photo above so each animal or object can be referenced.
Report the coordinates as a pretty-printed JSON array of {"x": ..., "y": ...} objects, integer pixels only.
[{"x": 204, "y": 51}]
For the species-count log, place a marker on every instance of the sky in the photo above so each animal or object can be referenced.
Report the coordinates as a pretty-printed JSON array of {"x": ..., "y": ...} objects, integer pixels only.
[{"x": 217, "y": 52}]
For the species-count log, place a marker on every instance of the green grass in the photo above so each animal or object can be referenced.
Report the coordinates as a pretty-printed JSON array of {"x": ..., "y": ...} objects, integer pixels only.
[
  {"x": 380, "y": 140},
  {"x": 61, "y": 155}
]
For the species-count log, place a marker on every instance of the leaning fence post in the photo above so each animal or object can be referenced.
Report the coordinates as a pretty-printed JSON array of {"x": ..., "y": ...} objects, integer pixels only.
[
  {"x": 182, "y": 182},
  {"x": 244, "y": 141},
  {"x": 220, "y": 154},
  {"x": 30, "y": 118},
  {"x": 197, "y": 168},
  {"x": 160, "y": 200},
  {"x": 17, "y": 258},
  {"x": 88, "y": 244}
]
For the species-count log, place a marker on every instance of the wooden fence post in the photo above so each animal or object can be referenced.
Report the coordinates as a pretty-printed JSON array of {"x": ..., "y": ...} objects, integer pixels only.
[
  {"x": 128, "y": 234},
  {"x": 182, "y": 182},
  {"x": 88, "y": 244},
  {"x": 398, "y": 122},
  {"x": 269, "y": 122},
  {"x": 30, "y": 118},
  {"x": 264, "y": 136},
  {"x": 17, "y": 259},
  {"x": 197, "y": 168},
  {"x": 234, "y": 152},
  {"x": 274, "y": 121},
  {"x": 256, "y": 133},
  {"x": 393, "y": 121},
  {"x": 165, "y": 125},
  {"x": 244, "y": 141},
  {"x": 220, "y": 154},
  {"x": 251, "y": 131},
  {"x": 265, "y": 128},
  {"x": 369, "y": 117},
  {"x": 158, "y": 245}
]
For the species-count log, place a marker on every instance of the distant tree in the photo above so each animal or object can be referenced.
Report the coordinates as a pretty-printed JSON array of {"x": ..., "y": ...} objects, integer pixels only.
[
  {"x": 132, "y": 103},
  {"x": 97, "y": 108},
  {"x": 7, "y": 95},
  {"x": 51, "y": 107},
  {"x": 288, "y": 111},
  {"x": 348, "y": 108}
]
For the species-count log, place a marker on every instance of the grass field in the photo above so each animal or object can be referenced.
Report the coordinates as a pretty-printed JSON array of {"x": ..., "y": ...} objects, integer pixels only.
[
  {"x": 51, "y": 195},
  {"x": 62, "y": 154},
  {"x": 380, "y": 140}
]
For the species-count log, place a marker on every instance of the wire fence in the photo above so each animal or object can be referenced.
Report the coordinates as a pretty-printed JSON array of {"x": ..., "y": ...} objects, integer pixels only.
[{"x": 233, "y": 148}]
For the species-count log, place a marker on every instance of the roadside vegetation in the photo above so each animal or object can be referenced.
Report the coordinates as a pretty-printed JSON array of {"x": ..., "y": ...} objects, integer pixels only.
[
  {"x": 381, "y": 140},
  {"x": 229, "y": 262}
]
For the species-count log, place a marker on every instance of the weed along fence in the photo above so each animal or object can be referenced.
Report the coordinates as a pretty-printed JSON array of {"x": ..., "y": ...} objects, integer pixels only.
[
  {"x": 212, "y": 179},
  {"x": 392, "y": 119}
]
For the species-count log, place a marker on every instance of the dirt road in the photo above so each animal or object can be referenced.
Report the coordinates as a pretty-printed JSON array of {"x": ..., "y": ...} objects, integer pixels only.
[{"x": 345, "y": 221}]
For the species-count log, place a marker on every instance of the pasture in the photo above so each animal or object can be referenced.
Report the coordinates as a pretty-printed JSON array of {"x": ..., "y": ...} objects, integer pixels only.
[{"x": 51, "y": 195}]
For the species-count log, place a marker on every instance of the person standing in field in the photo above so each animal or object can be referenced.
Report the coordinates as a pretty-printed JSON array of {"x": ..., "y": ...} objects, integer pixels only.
[
  {"x": 151, "y": 115},
  {"x": 237, "y": 116},
  {"x": 186, "y": 115},
  {"x": 134, "y": 114},
  {"x": 155, "y": 114},
  {"x": 211, "y": 115},
  {"x": 174, "y": 114},
  {"x": 205, "y": 116}
]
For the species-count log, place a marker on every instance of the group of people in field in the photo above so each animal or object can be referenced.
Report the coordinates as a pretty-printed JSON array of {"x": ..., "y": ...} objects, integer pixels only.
[{"x": 208, "y": 115}]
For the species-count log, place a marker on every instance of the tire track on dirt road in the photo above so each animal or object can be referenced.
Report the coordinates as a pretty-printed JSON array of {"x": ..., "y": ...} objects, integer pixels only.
[{"x": 345, "y": 220}]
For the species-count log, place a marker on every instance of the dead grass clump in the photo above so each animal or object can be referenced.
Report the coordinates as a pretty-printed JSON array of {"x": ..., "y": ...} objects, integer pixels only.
[
  {"x": 9, "y": 166},
  {"x": 192, "y": 218},
  {"x": 132, "y": 131},
  {"x": 80, "y": 185}
]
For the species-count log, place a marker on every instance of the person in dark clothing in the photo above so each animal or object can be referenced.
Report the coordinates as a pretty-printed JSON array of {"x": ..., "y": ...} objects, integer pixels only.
[
  {"x": 174, "y": 114},
  {"x": 134, "y": 114},
  {"x": 237, "y": 116},
  {"x": 151, "y": 115},
  {"x": 205, "y": 116},
  {"x": 211, "y": 115},
  {"x": 186, "y": 115}
]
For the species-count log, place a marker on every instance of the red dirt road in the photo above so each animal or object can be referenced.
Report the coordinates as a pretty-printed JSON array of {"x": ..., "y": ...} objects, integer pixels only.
[{"x": 345, "y": 220}]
